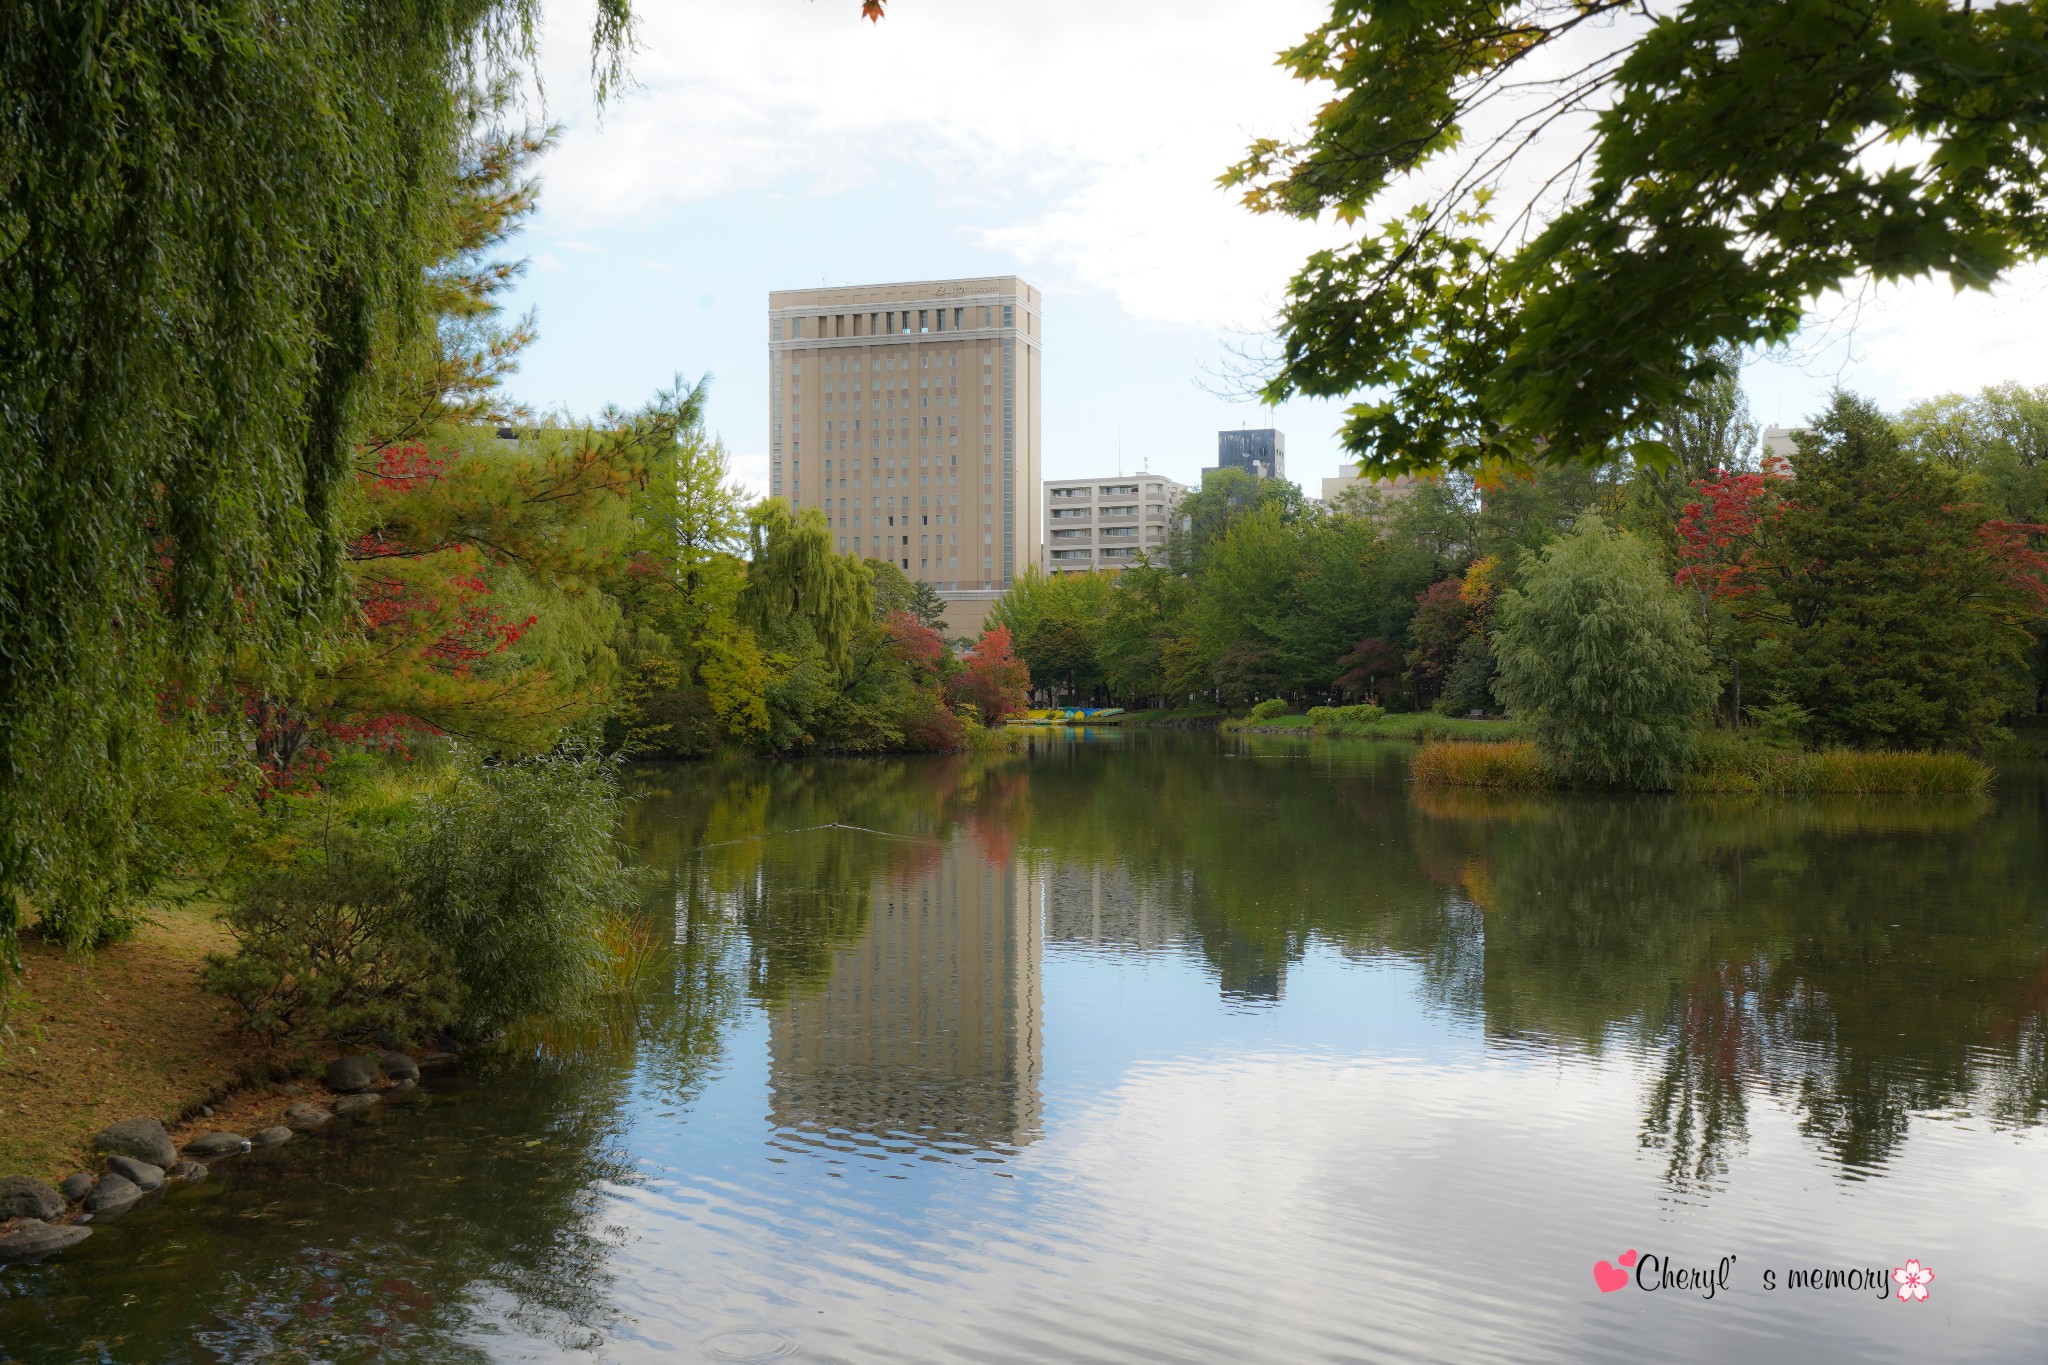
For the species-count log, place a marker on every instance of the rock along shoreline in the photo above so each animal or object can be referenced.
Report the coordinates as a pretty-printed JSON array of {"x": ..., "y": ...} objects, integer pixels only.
[{"x": 139, "y": 1161}]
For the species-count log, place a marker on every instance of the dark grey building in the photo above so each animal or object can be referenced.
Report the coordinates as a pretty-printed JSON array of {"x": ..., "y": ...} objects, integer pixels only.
[{"x": 1262, "y": 452}]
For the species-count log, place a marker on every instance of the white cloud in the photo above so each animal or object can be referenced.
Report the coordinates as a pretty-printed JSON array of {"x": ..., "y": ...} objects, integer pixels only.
[
  {"x": 1085, "y": 141},
  {"x": 750, "y": 471},
  {"x": 1077, "y": 142}
]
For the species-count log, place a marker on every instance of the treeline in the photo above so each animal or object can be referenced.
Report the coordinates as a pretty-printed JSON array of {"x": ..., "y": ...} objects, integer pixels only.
[{"x": 1883, "y": 587}]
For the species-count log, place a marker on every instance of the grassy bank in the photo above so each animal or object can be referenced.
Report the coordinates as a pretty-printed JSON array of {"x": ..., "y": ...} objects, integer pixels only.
[
  {"x": 1422, "y": 726},
  {"x": 124, "y": 1032},
  {"x": 1726, "y": 765},
  {"x": 1176, "y": 718}
]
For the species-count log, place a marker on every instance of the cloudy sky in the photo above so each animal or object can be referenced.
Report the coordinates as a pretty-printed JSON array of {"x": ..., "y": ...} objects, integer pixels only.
[{"x": 781, "y": 143}]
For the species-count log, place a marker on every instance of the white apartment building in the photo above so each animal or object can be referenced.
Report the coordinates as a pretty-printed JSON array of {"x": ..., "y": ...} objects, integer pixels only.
[{"x": 1103, "y": 523}]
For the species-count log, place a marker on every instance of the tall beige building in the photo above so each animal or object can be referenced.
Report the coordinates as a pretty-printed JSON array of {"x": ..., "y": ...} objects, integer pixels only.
[{"x": 908, "y": 414}]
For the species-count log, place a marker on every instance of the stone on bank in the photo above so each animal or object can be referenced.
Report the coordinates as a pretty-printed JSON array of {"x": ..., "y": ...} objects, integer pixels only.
[
  {"x": 23, "y": 1196},
  {"x": 143, "y": 1139}
]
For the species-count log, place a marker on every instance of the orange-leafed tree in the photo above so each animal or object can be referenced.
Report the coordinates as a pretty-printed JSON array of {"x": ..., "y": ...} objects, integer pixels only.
[{"x": 993, "y": 678}]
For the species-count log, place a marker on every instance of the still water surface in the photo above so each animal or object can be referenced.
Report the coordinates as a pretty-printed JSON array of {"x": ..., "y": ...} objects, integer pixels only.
[{"x": 1155, "y": 1047}]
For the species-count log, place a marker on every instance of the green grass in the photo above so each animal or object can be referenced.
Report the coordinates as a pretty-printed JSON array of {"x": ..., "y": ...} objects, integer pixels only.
[
  {"x": 1175, "y": 715},
  {"x": 1415, "y": 725}
]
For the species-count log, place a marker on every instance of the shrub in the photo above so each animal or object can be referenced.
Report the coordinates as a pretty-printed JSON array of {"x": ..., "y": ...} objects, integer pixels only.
[
  {"x": 1346, "y": 717},
  {"x": 326, "y": 949},
  {"x": 1601, "y": 658},
  {"x": 1782, "y": 724},
  {"x": 473, "y": 903},
  {"x": 1268, "y": 709},
  {"x": 1511, "y": 763},
  {"x": 511, "y": 871}
]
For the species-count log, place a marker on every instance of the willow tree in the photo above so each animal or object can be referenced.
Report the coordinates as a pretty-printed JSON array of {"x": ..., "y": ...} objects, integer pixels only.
[
  {"x": 794, "y": 574},
  {"x": 1681, "y": 173},
  {"x": 1602, "y": 660},
  {"x": 214, "y": 216}
]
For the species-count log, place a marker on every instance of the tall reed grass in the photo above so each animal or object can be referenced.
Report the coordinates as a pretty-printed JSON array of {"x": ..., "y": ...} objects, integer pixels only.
[
  {"x": 1730, "y": 769},
  {"x": 1727, "y": 765},
  {"x": 1511, "y": 764},
  {"x": 628, "y": 947}
]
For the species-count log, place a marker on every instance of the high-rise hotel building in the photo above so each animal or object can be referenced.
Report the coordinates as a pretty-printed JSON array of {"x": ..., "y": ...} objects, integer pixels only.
[{"x": 908, "y": 414}]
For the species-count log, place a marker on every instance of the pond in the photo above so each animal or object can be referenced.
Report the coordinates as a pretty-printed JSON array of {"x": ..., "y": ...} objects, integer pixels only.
[{"x": 1163, "y": 1047}]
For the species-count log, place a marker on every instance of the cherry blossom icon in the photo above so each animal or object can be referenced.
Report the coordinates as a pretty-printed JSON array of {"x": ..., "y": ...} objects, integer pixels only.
[{"x": 1912, "y": 1279}]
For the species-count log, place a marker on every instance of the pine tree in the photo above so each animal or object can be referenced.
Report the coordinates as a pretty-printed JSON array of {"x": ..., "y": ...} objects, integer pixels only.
[{"x": 1902, "y": 619}]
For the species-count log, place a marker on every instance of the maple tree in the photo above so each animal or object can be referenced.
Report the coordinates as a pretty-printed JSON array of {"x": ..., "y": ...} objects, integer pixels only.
[
  {"x": 1442, "y": 621},
  {"x": 993, "y": 678},
  {"x": 1364, "y": 664},
  {"x": 1722, "y": 534}
]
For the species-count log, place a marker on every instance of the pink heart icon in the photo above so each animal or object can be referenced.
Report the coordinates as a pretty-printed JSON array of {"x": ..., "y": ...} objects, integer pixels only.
[
  {"x": 1608, "y": 1278},
  {"x": 1627, "y": 1259}
]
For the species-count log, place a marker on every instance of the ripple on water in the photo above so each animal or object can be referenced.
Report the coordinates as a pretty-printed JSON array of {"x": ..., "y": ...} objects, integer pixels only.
[{"x": 750, "y": 1344}]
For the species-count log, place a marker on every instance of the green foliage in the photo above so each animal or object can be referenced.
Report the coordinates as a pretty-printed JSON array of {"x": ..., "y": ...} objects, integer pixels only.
[
  {"x": 1268, "y": 709},
  {"x": 1725, "y": 184},
  {"x": 896, "y": 591},
  {"x": 513, "y": 870},
  {"x": 793, "y": 576},
  {"x": 1469, "y": 685},
  {"x": 216, "y": 224},
  {"x": 1142, "y": 631},
  {"x": 1781, "y": 724},
  {"x": 1996, "y": 441},
  {"x": 1900, "y": 626},
  {"x": 1284, "y": 596},
  {"x": 1206, "y": 514},
  {"x": 1602, "y": 660},
  {"x": 694, "y": 676},
  {"x": 1337, "y": 718},
  {"x": 327, "y": 950},
  {"x": 469, "y": 899},
  {"x": 1709, "y": 430},
  {"x": 1056, "y": 622}
]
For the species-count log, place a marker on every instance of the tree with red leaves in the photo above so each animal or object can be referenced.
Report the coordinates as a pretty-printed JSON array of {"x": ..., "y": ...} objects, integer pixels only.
[
  {"x": 1365, "y": 665},
  {"x": 1722, "y": 534},
  {"x": 1442, "y": 620},
  {"x": 993, "y": 678}
]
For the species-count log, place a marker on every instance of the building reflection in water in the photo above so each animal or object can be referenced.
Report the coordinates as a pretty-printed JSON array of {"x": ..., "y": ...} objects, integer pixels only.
[
  {"x": 926, "y": 1036},
  {"x": 1101, "y": 905}
]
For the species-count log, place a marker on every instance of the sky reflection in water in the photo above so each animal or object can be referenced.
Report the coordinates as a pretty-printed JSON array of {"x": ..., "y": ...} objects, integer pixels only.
[{"x": 1166, "y": 1048}]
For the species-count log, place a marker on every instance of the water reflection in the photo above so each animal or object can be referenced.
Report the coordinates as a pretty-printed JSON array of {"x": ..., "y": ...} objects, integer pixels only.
[
  {"x": 924, "y": 1036},
  {"x": 1240, "y": 1029}
]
